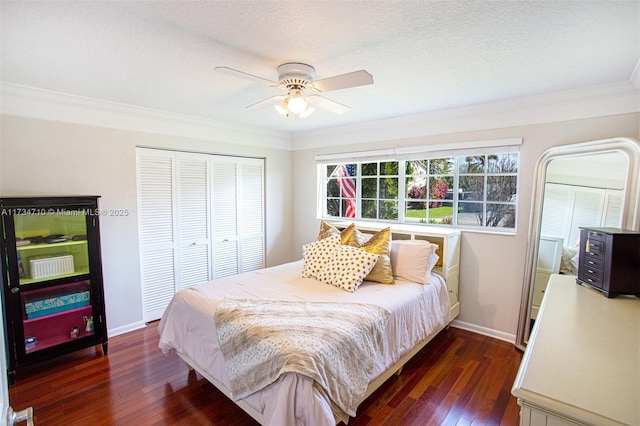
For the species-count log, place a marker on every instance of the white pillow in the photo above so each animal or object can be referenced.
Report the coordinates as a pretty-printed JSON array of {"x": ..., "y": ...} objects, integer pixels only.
[
  {"x": 413, "y": 260},
  {"x": 348, "y": 267},
  {"x": 317, "y": 254}
]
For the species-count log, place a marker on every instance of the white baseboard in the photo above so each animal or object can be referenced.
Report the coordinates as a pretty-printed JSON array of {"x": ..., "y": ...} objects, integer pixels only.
[
  {"x": 500, "y": 335},
  {"x": 126, "y": 328}
]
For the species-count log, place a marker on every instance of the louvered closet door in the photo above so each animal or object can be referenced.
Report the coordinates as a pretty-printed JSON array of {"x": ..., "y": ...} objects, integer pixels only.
[
  {"x": 156, "y": 222},
  {"x": 613, "y": 209},
  {"x": 556, "y": 210},
  {"x": 225, "y": 224},
  {"x": 587, "y": 210},
  {"x": 200, "y": 217},
  {"x": 251, "y": 214},
  {"x": 238, "y": 215},
  {"x": 193, "y": 191}
]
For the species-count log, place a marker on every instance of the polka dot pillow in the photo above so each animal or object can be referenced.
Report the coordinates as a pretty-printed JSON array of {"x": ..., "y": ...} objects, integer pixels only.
[
  {"x": 317, "y": 254},
  {"x": 348, "y": 267}
]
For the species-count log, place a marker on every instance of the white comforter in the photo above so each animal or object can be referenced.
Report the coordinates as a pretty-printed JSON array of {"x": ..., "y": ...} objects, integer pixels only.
[{"x": 188, "y": 327}]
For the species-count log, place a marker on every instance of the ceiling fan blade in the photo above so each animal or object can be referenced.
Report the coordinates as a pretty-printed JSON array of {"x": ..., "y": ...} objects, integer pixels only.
[
  {"x": 272, "y": 101},
  {"x": 246, "y": 76},
  {"x": 343, "y": 81},
  {"x": 328, "y": 104}
]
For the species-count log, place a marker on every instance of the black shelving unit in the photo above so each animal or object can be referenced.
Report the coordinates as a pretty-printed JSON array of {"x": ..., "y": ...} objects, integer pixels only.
[{"x": 53, "y": 295}]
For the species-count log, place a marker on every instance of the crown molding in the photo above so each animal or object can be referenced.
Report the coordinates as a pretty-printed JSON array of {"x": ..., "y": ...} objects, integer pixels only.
[
  {"x": 596, "y": 101},
  {"x": 31, "y": 102}
]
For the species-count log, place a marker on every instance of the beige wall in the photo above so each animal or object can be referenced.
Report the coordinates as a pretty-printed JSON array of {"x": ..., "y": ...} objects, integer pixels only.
[
  {"x": 492, "y": 268},
  {"x": 50, "y": 158},
  {"x": 40, "y": 157}
]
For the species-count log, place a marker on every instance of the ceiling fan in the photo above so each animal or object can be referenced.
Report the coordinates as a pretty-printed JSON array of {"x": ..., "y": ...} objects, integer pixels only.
[{"x": 302, "y": 90}]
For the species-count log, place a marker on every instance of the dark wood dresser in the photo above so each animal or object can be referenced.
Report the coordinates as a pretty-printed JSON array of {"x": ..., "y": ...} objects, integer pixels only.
[{"x": 610, "y": 260}]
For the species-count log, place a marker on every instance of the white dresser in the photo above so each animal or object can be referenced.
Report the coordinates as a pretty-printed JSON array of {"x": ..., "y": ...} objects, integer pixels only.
[{"x": 582, "y": 362}]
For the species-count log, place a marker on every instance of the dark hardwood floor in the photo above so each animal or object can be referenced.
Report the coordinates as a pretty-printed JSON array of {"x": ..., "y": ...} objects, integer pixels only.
[{"x": 460, "y": 378}]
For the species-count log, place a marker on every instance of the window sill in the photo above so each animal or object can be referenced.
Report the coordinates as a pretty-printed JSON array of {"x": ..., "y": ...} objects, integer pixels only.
[{"x": 413, "y": 229}]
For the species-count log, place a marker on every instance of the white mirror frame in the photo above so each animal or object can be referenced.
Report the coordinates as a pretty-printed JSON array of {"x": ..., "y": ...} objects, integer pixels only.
[{"x": 630, "y": 213}]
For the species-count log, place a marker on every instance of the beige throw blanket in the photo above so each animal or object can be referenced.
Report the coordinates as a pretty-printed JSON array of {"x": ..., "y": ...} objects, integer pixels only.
[{"x": 334, "y": 344}]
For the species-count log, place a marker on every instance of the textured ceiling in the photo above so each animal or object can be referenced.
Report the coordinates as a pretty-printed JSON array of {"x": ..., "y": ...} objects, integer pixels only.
[{"x": 424, "y": 56}]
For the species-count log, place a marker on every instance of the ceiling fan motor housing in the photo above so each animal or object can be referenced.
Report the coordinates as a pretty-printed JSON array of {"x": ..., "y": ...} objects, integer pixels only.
[{"x": 295, "y": 75}]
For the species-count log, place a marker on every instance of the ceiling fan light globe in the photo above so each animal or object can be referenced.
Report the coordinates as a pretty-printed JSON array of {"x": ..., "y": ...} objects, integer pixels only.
[
  {"x": 297, "y": 102},
  {"x": 282, "y": 108}
]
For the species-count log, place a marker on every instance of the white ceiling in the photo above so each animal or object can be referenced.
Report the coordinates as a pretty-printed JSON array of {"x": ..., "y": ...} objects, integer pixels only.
[{"x": 424, "y": 56}]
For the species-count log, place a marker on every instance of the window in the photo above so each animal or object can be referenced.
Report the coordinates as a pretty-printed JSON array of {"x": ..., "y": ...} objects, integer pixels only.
[{"x": 459, "y": 190}]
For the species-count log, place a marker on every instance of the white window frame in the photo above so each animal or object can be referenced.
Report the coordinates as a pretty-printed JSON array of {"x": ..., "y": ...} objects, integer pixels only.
[{"x": 401, "y": 155}]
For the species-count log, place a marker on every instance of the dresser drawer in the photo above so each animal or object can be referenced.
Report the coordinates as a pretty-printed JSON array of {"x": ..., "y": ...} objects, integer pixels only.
[
  {"x": 594, "y": 261},
  {"x": 596, "y": 235},
  {"x": 593, "y": 272},
  {"x": 595, "y": 248},
  {"x": 593, "y": 276}
]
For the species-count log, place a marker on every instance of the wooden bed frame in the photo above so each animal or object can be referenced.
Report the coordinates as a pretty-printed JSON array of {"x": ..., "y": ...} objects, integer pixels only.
[{"x": 448, "y": 267}]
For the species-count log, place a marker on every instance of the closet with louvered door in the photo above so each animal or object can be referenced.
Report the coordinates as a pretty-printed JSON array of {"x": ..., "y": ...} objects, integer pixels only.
[
  {"x": 193, "y": 219},
  {"x": 251, "y": 214},
  {"x": 201, "y": 217},
  {"x": 156, "y": 229},
  {"x": 567, "y": 208},
  {"x": 238, "y": 211}
]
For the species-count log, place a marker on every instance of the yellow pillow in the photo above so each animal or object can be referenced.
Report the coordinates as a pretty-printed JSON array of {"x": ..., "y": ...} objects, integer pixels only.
[
  {"x": 380, "y": 244},
  {"x": 327, "y": 230}
]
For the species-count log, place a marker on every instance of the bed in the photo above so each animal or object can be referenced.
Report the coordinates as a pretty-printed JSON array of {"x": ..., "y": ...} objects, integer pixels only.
[{"x": 411, "y": 313}]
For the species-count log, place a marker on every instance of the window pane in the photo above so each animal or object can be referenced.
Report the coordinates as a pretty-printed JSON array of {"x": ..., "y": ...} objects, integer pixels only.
[
  {"x": 441, "y": 166},
  {"x": 440, "y": 188},
  {"x": 388, "y": 210},
  {"x": 470, "y": 214},
  {"x": 349, "y": 207},
  {"x": 416, "y": 189},
  {"x": 501, "y": 215},
  {"x": 389, "y": 168},
  {"x": 415, "y": 211},
  {"x": 416, "y": 167},
  {"x": 471, "y": 164},
  {"x": 369, "y": 209},
  {"x": 369, "y": 187},
  {"x": 389, "y": 188},
  {"x": 333, "y": 189},
  {"x": 441, "y": 213},
  {"x": 333, "y": 207},
  {"x": 369, "y": 169},
  {"x": 472, "y": 188},
  {"x": 483, "y": 187},
  {"x": 503, "y": 163},
  {"x": 501, "y": 188}
]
